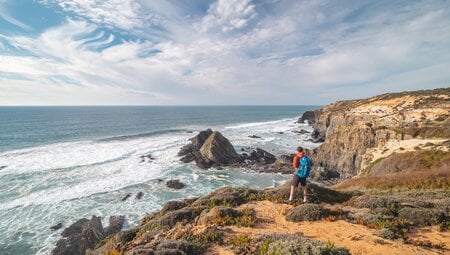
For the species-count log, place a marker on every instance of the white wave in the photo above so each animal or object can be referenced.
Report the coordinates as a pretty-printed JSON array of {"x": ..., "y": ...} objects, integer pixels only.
[{"x": 256, "y": 124}]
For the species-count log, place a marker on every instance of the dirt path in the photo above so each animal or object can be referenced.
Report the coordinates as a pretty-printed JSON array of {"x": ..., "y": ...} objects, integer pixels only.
[{"x": 357, "y": 238}]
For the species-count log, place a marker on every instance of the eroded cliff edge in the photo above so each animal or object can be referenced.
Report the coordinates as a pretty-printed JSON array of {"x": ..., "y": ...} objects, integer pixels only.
[{"x": 359, "y": 134}]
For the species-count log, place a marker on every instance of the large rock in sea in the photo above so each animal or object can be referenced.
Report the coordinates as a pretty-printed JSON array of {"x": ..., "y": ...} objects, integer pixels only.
[
  {"x": 217, "y": 149},
  {"x": 209, "y": 148},
  {"x": 86, "y": 234}
]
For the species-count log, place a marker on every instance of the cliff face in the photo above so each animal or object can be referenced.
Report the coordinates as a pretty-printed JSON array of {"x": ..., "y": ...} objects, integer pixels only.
[{"x": 358, "y": 132}]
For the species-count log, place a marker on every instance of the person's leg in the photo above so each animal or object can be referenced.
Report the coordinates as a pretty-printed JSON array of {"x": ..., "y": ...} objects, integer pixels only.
[
  {"x": 294, "y": 184},
  {"x": 305, "y": 192},
  {"x": 291, "y": 196}
]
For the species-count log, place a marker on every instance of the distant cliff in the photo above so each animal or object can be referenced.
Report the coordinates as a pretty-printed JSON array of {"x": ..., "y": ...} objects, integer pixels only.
[{"x": 359, "y": 133}]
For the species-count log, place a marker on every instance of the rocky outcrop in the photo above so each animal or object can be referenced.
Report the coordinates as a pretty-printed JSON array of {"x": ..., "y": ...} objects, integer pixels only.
[
  {"x": 352, "y": 129},
  {"x": 86, "y": 234},
  {"x": 209, "y": 148},
  {"x": 175, "y": 184},
  {"x": 217, "y": 149},
  {"x": 307, "y": 117}
]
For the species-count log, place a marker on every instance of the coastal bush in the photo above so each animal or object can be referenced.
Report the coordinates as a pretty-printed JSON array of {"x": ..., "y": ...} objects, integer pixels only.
[
  {"x": 317, "y": 194},
  {"x": 387, "y": 234},
  {"x": 284, "y": 244},
  {"x": 306, "y": 212},
  {"x": 223, "y": 216},
  {"x": 422, "y": 216},
  {"x": 205, "y": 239},
  {"x": 226, "y": 196}
]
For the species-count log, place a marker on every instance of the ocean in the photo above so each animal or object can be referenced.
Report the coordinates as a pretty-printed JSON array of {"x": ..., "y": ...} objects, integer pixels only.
[{"x": 60, "y": 164}]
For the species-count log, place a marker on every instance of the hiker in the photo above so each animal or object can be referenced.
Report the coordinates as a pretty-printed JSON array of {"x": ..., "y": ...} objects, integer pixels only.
[{"x": 302, "y": 166}]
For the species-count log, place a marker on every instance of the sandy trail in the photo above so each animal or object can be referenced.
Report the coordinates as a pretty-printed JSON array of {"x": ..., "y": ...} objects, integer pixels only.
[{"x": 357, "y": 238}]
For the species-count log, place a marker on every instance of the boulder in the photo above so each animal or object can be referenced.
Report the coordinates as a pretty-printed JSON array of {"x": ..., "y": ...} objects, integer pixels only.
[
  {"x": 56, "y": 227},
  {"x": 254, "y": 136},
  {"x": 187, "y": 151},
  {"x": 115, "y": 224},
  {"x": 175, "y": 184},
  {"x": 80, "y": 236},
  {"x": 261, "y": 156},
  {"x": 86, "y": 234},
  {"x": 139, "y": 195}
]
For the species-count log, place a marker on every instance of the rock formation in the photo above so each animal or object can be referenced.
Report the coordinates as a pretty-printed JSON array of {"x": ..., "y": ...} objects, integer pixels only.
[
  {"x": 86, "y": 234},
  {"x": 308, "y": 116},
  {"x": 354, "y": 131},
  {"x": 209, "y": 148}
]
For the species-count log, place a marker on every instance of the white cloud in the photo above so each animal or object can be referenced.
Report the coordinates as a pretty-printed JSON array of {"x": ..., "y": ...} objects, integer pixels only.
[
  {"x": 125, "y": 14},
  {"x": 228, "y": 15},
  {"x": 298, "y": 52}
]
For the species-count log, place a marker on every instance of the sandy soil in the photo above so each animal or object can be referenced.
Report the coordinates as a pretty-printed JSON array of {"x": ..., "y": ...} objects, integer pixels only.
[{"x": 357, "y": 238}]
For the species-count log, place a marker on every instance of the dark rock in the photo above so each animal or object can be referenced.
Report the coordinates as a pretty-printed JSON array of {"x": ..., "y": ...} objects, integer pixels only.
[
  {"x": 308, "y": 116},
  {"x": 306, "y": 212},
  {"x": 175, "y": 184},
  {"x": 3, "y": 167},
  {"x": 80, "y": 236},
  {"x": 126, "y": 196},
  {"x": 301, "y": 131},
  {"x": 115, "y": 224},
  {"x": 280, "y": 133},
  {"x": 254, "y": 136},
  {"x": 147, "y": 157},
  {"x": 139, "y": 195},
  {"x": 195, "y": 145},
  {"x": 56, "y": 227},
  {"x": 261, "y": 156},
  {"x": 285, "y": 160}
]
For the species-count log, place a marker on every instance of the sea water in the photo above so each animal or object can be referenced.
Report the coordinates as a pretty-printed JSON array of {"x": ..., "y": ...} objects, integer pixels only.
[{"x": 60, "y": 164}]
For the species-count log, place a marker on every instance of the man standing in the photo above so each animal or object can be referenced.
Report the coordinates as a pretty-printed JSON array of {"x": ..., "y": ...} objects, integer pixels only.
[{"x": 302, "y": 166}]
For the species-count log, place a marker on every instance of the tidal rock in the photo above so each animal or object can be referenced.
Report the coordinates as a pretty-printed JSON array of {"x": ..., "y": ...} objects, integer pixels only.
[
  {"x": 126, "y": 196},
  {"x": 56, "y": 227},
  {"x": 3, "y": 167},
  {"x": 301, "y": 131},
  {"x": 175, "y": 184},
  {"x": 139, "y": 195},
  {"x": 115, "y": 224},
  {"x": 254, "y": 136},
  {"x": 261, "y": 156},
  {"x": 147, "y": 158},
  {"x": 308, "y": 116}
]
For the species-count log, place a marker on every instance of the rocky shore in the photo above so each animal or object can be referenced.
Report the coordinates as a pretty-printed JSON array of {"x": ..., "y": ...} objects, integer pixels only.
[{"x": 389, "y": 156}]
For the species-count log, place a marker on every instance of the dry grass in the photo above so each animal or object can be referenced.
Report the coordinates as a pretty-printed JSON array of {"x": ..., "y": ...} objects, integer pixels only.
[{"x": 433, "y": 179}]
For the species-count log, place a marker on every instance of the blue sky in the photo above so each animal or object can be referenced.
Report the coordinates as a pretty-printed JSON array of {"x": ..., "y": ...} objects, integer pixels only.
[{"x": 167, "y": 52}]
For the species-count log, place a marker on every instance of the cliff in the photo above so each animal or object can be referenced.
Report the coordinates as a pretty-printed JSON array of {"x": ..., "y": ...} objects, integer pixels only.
[{"x": 358, "y": 133}]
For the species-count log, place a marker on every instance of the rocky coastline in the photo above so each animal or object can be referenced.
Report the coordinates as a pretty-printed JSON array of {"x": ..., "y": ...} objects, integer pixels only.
[{"x": 388, "y": 157}]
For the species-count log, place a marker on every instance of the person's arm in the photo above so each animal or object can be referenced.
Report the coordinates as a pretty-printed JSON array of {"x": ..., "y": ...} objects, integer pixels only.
[{"x": 295, "y": 162}]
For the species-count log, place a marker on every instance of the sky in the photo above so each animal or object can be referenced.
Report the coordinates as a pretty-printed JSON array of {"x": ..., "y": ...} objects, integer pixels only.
[{"x": 219, "y": 52}]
